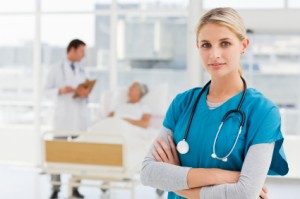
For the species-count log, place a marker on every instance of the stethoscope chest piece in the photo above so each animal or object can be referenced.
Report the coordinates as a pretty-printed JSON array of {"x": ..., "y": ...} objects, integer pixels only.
[{"x": 183, "y": 147}]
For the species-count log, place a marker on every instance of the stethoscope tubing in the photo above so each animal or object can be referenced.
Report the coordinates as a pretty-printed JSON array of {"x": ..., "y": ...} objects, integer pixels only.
[
  {"x": 237, "y": 110},
  {"x": 194, "y": 108}
]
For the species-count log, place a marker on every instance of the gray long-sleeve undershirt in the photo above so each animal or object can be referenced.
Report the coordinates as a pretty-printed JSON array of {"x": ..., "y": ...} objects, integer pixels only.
[{"x": 173, "y": 178}]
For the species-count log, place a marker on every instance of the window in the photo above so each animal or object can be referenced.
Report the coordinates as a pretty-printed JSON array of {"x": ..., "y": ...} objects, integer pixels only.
[
  {"x": 151, "y": 50},
  {"x": 244, "y": 4},
  {"x": 16, "y": 75},
  {"x": 17, "y": 6},
  {"x": 276, "y": 73},
  {"x": 74, "y": 6},
  {"x": 152, "y": 4}
]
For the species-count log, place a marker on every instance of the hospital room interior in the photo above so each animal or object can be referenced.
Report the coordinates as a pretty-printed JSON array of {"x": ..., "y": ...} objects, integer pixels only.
[{"x": 148, "y": 45}]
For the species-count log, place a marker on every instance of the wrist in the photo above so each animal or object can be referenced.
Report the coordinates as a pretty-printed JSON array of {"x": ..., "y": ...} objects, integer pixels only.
[
  {"x": 224, "y": 176},
  {"x": 199, "y": 177}
]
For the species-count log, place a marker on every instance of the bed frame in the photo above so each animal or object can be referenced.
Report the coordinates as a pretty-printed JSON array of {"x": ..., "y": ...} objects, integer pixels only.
[{"x": 92, "y": 161}]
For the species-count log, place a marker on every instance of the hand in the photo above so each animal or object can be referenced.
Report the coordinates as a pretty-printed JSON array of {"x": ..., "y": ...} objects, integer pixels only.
[
  {"x": 111, "y": 114},
  {"x": 264, "y": 193},
  {"x": 189, "y": 193},
  {"x": 82, "y": 92},
  {"x": 66, "y": 90},
  {"x": 164, "y": 152}
]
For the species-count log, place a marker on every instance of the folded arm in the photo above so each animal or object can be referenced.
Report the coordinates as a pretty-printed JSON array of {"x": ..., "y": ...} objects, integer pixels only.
[
  {"x": 161, "y": 171},
  {"x": 167, "y": 176},
  {"x": 249, "y": 185},
  {"x": 252, "y": 178}
]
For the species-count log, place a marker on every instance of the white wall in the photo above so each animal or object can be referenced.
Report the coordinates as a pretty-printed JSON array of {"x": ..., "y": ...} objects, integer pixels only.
[{"x": 18, "y": 145}]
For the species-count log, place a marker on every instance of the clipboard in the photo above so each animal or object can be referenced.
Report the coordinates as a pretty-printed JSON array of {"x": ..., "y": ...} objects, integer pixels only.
[{"x": 88, "y": 84}]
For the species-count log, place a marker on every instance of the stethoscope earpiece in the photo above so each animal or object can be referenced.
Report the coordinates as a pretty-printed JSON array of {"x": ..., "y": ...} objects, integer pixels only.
[{"x": 214, "y": 156}]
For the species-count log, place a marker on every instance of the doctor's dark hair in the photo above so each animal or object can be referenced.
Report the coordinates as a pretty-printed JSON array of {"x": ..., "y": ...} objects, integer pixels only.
[
  {"x": 226, "y": 17},
  {"x": 75, "y": 43}
]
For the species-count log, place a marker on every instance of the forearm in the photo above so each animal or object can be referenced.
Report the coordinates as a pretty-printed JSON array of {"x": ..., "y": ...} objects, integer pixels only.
[
  {"x": 162, "y": 175},
  {"x": 173, "y": 178},
  {"x": 199, "y": 177},
  {"x": 252, "y": 178},
  {"x": 189, "y": 193},
  {"x": 140, "y": 123}
]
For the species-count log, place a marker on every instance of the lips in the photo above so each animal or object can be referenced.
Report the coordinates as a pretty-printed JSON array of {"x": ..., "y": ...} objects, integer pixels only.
[{"x": 216, "y": 65}]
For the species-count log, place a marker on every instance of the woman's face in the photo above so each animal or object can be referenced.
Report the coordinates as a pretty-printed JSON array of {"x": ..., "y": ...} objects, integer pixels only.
[
  {"x": 220, "y": 49},
  {"x": 134, "y": 93}
]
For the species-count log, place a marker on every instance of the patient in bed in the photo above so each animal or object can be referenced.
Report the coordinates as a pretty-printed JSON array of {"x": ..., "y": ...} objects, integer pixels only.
[
  {"x": 127, "y": 120},
  {"x": 134, "y": 111}
]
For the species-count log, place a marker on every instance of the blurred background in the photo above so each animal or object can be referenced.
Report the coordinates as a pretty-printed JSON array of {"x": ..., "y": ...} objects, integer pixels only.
[{"x": 144, "y": 40}]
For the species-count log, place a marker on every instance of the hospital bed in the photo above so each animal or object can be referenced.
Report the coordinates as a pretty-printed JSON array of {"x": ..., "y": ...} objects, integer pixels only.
[
  {"x": 105, "y": 161},
  {"x": 108, "y": 158}
]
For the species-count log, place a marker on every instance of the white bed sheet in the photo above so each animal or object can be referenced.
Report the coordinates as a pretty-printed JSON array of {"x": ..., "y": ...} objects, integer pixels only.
[{"x": 136, "y": 140}]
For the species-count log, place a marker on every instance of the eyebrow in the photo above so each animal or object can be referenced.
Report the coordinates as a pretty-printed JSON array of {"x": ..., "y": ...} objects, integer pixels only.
[{"x": 223, "y": 39}]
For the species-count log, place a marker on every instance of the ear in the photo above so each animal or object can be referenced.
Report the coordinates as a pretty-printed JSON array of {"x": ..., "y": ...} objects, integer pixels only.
[
  {"x": 197, "y": 44},
  {"x": 245, "y": 44}
]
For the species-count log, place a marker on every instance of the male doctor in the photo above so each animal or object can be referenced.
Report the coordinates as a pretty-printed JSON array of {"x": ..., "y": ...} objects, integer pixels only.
[{"x": 61, "y": 84}]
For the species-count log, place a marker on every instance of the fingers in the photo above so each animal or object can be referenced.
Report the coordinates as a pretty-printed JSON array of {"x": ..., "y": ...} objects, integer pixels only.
[
  {"x": 166, "y": 148},
  {"x": 172, "y": 145},
  {"x": 263, "y": 196},
  {"x": 156, "y": 156},
  {"x": 160, "y": 151},
  {"x": 265, "y": 189},
  {"x": 164, "y": 151},
  {"x": 173, "y": 148},
  {"x": 264, "y": 193},
  {"x": 69, "y": 89}
]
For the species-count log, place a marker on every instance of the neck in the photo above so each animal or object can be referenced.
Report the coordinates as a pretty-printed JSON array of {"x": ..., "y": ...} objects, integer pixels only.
[
  {"x": 70, "y": 58},
  {"x": 224, "y": 88},
  {"x": 132, "y": 101}
]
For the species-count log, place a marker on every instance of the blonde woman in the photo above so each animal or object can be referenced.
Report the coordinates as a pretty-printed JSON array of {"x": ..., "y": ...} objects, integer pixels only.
[{"x": 219, "y": 141}]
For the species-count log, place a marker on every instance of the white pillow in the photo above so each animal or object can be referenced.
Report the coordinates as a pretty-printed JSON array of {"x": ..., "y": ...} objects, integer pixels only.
[
  {"x": 110, "y": 99},
  {"x": 156, "y": 99}
]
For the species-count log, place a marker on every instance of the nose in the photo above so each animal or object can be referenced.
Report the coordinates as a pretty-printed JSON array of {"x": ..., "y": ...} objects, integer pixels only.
[{"x": 215, "y": 53}]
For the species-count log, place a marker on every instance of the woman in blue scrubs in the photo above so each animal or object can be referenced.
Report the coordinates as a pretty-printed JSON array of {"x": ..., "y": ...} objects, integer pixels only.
[{"x": 195, "y": 156}]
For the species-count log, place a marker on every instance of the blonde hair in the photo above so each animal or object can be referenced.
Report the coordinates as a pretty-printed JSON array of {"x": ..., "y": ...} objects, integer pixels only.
[{"x": 227, "y": 17}]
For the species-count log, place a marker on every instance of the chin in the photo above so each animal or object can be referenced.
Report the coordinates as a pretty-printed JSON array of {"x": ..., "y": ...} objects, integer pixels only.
[{"x": 217, "y": 73}]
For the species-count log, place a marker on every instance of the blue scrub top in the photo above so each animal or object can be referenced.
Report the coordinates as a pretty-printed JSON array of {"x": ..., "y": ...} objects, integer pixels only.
[{"x": 262, "y": 125}]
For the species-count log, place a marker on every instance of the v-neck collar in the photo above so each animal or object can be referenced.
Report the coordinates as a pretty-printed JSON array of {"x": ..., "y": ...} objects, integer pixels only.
[{"x": 225, "y": 103}]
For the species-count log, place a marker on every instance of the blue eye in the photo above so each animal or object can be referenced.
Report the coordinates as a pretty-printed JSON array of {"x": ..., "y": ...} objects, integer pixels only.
[
  {"x": 225, "y": 43},
  {"x": 206, "y": 45}
]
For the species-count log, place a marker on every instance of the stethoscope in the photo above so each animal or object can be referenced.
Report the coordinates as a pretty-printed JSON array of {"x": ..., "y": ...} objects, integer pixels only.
[{"x": 183, "y": 146}]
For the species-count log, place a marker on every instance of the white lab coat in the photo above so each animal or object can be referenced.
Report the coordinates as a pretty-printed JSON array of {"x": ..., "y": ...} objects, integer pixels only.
[{"x": 70, "y": 114}]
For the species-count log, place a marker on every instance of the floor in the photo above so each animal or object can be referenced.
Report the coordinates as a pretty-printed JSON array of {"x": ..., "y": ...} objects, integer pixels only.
[{"x": 27, "y": 183}]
